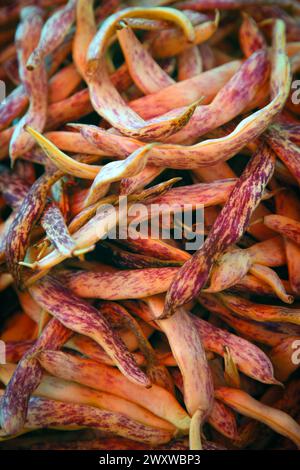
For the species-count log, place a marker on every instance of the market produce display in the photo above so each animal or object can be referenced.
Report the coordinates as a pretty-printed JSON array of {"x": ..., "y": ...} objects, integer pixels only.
[{"x": 128, "y": 130}]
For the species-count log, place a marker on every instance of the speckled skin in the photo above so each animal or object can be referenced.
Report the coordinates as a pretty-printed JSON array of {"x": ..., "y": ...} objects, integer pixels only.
[
  {"x": 109, "y": 104},
  {"x": 103, "y": 377},
  {"x": 97, "y": 226},
  {"x": 78, "y": 105},
  {"x": 45, "y": 413},
  {"x": 35, "y": 83},
  {"x": 223, "y": 420},
  {"x": 187, "y": 349},
  {"x": 292, "y": 131},
  {"x": 227, "y": 229},
  {"x": 106, "y": 100},
  {"x": 212, "y": 151},
  {"x": 128, "y": 260},
  {"x": 257, "y": 331},
  {"x": 286, "y": 150},
  {"x": 232, "y": 99},
  {"x": 252, "y": 285},
  {"x": 115, "y": 171},
  {"x": 27, "y": 377},
  {"x": 189, "y": 63},
  {"x": 83, "y": 318},
  {"x": 205, "y": 85},
  {"x": 131, "y": 184},
  {"x": 236, "y": 95},
  {"x": 17, "y": 238},
  {"x": 250, "y": 37},
  {"x": 58, "y": 389},
  {"x": 11, "y": 12},
  {"x": 53, "y": 33},
  {"x": 206, "y": 194},
  {"x": 15, "y": 350},
  {"x": 148, "y": 76},
  {"x": 251, "y": 360},
  {"x": 15, "y": 103},
  {"x": 56, "y": 230},
  {"x": 116, "y": 313},
  {"x": 127, "y": 284},
  {"x": 272, "y": 11},
  {"x": 261, "y": 312},
  {"x": 155, "y": 248},
  {"x": 13, "y": 188}
]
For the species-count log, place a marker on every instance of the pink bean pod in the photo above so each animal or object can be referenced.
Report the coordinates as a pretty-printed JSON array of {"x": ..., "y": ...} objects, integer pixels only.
[
  {"x": 45, "y": 413},
  {"x": 110, "y": 105},
  {"x": 53, "y": 33},
  {"x": 101, "y": 377},
  {"x": 85, "y": 31},
  {"x": 251, "y": 38},
  {"x": 56, "y": 230},
  {"x": 227, "y": 229},
  {"x": 148, "y": 76},
  {"x": 35, "y": 83},
  {"x": 243, "y": 403},
  {"x": 260, "y": 312},
  {"x": 27, "y": 376},
  {"x": 284, "y": 225},
  {"x": 189, "y": 63},
  {"x": 189, "y": 354},
  {"x": 81, "y": 317},
  {"x": 32, "y": 206}
]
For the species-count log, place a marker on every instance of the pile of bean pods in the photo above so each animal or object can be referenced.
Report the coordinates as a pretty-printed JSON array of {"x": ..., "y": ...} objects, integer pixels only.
[{"x": 139, "y": 342}]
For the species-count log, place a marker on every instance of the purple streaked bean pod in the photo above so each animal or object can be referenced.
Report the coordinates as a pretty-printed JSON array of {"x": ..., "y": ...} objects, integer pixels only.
[
  {"x": 148, "y": 76},
  {"x": 250, "y": 37},
  {"x": 227, "y": 229},
  {"x": 120, "y": 285},
  {"x": 285, "y": 149},
  {"x": 35, "y": 83},
  {"x": 45, "y": 413},
  {"x": 31, "y": 208},
  {"x": 103, "y": 377},
  {"x": 260, "y": 312},
  {"x": 109, "y": 104},
  {"x": 27, "y": 377},
  {"x": 56, "y": 230},
  {"x": 190, "y": 63},
  {"x": 189, "y": 354},
  {"x": 83, "y": 318},
  {"x": 53, "y": 33}
]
